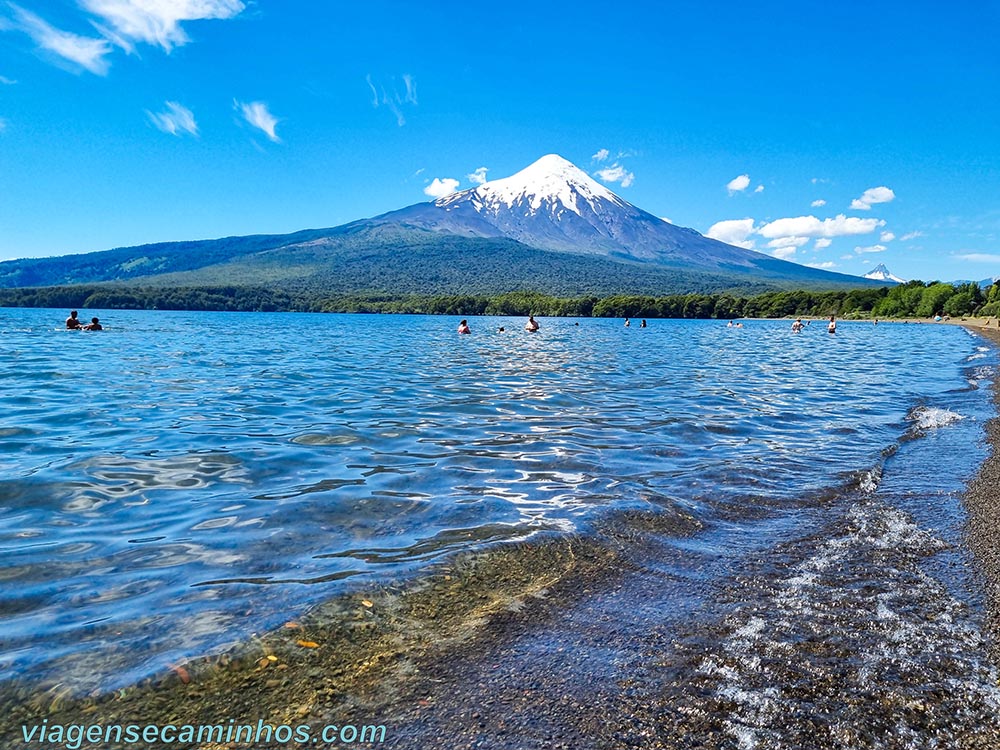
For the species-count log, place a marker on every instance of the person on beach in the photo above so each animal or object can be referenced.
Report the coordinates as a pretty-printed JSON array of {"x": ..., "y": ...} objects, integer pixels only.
[
  {"x": 72, "y": 322},
  {"x": 831, "y": 327},
  {"x": 531, "y": 325},
  {"x": 463, "y": 327},
  {"x": 93, "y": 325}
]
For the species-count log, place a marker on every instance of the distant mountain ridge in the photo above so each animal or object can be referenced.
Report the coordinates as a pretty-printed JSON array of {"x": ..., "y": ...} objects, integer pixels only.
[{"x": 549, "y": 228}]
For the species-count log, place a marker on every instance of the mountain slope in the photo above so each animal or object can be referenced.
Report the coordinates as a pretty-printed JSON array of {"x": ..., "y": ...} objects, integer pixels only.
[{"x": 550, "y": 228}]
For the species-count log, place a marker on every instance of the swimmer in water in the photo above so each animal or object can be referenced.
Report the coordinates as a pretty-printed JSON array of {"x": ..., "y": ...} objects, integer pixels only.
[
  {"x": 831, "y": 327},
  {"x": 532, "y": 324},
  {"x": 463, "y": 327}
]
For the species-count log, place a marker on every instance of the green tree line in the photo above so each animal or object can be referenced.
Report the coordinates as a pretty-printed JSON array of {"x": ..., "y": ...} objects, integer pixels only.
[{"x": 913, "y": 299}]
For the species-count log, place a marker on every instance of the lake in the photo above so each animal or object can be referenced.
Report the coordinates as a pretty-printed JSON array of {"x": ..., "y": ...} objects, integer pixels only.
[{"x": 181, "y": 480}]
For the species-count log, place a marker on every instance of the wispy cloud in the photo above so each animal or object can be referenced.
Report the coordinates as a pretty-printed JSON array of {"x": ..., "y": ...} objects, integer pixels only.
[
  {"x": 121, "y": 23},
  {"x": 7, "y": 81},
  {"x": 441, "y": 186},
  {"x": 910, "y": 236},
  {"x": 759, "y": 189},
  {"x": 392, "y": 97},
  {"x": 3, "y": 124},
  {"x": 258, "y": 115},
  {"x": 819, "y": 203},
  {"x": 822, "y": 243},
  {"x": 871, "y": 249},
  {"x": 825, "y": 264},
  {"x": 82, "y": 51},
  {"x": 872, "y": 196},
  {"x": 601, "y": 155},
  {"x": 886, "y": 237},
  {"x": 177, "y": 120},
  {"x": 616, "y": 173},
  {"x": 979, "y": 257},
  {"x": 478, "y": 177},
  {"x": 785, "y": 253},
  {"x": 733, "y": 232},
  {"x": 156, "y": 22},
  {"x": 738, "y": 184}
]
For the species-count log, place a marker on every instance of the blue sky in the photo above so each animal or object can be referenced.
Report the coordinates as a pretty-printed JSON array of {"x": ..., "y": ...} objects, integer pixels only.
[{"x": 839, "y": 135}]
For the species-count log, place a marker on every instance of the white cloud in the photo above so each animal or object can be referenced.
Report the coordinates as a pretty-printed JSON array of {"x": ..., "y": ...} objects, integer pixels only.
[
  {"x": 871, "y": 249},
  {"x": 823, "y": 242},
  {"x": 872, "y": 196},
  {"x": 979, "y": 257},
  {"x": 759, "y": 189},
  {"x": 910, "y": 236},
  {"x": 177, "y": 120},
  {"x": 479, "y": 176},
  {"x": 820, "y": 181},
  {"x": 257, "y": 114},
  {"x": 738, "y": 184},
  {"x": 616, "y": 173},
  {"x": 392, "y": 98},
  {"x": 86, "y": 52},
  {"x": 810, "y": 226},
  {"x": 441, "y": 187},
  {"x": 818, "y": 203},
  {"x": 157, "y": 22},
  {"x": 825, "y": 264},
  {"x": 784, "y": 253},
  {"x": 788, "y": 242},
  {"x": 411, "y": 89},
  {"x": 733, "y": 232},
  {"x": 7, "y": 81},
  {"x": 601, "y": 155},
  {"x": 887, "y": 237},
  {"x": 669, "y": 221}
]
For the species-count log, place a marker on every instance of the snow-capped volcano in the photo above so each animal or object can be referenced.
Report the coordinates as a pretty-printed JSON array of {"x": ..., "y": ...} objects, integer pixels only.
[
  {"x": 881, "y": 273},
  {"x": 552, "y": 185},
  {"x": 554, "y": 205}
]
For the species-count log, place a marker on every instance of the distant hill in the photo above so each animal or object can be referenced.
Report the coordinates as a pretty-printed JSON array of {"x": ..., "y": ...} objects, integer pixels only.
[{"x": 549, "y": 228}]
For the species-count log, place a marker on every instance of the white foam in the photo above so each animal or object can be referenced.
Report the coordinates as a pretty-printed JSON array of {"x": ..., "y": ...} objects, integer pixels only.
[{"x": 930, "y": 417}]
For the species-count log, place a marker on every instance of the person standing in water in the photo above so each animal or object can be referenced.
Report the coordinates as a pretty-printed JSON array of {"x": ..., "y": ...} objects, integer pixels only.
[
  {"x": 832, "y": 325},
  {"x": 73, "y": 322},
  {"x": 628, "y": 322},
  {"x": 643, "y": 323},
  {"x": 531, "y": 325},
  {"x": 463, "y": 327}
]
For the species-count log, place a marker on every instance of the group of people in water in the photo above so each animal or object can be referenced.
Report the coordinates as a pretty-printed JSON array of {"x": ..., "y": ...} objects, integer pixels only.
[
  {"x": 532, "y": 325},
  {"x": 74, "y": 323},
  {"x": 831, "y": 327}
]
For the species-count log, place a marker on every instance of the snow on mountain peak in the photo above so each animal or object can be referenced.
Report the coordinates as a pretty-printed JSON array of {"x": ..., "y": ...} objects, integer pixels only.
[
  {"x": 552, "y": 184},
  {"x": 881, "y": 273}
]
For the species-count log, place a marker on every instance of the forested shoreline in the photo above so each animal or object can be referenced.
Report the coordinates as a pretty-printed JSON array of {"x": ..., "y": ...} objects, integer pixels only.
[{"x": 914, "y": 299}]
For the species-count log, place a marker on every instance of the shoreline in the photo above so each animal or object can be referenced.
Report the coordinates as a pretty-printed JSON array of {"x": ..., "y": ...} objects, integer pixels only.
[{"x": 982, "y": 502}]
